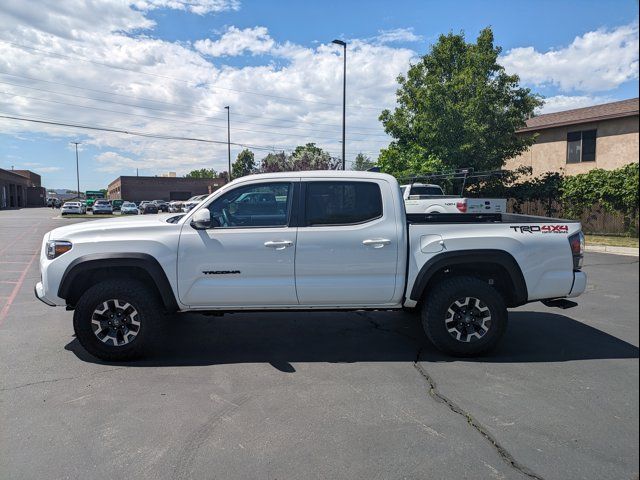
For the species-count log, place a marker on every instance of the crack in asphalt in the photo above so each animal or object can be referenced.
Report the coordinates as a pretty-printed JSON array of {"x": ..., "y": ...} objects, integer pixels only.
[
  {"x": 439, "y": 397},
  {"x": 54, "y": 380},
  {"x": 184, "y": 468}
]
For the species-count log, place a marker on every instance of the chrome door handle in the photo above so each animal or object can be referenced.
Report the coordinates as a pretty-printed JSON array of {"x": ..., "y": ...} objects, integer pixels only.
[
  {"x": 376, "y": 242},
  {"x": 278, "y": 245}
]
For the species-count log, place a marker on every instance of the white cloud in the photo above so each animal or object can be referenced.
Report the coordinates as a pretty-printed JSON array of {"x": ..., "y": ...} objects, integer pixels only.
[
  {"x": 398, "y": 35},
  {"x": 200, "y": 7},
  {"x": 559, "y": 103},
  {"x": 235, "y": 42},
  {"x": 188, "y": 92},
  {"x": 114, "y": 162},
  {"x": 596, "y": 61},
  {"x": 48, "y": 169}
]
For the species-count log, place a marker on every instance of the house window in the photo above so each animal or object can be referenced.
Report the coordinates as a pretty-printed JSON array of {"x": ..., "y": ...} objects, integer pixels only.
[{"x": 581, "y": 146}]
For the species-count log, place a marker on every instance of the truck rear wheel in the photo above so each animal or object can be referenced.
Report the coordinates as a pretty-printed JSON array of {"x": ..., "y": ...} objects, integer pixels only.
[
  {"x": 464, "y": 316},
  {"x": 117, "y": 320}
]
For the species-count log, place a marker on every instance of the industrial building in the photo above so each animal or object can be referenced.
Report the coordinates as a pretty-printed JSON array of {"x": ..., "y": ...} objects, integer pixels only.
[
  {"x": 21, "y": 188},
  {"x": 137, "y": 188}
]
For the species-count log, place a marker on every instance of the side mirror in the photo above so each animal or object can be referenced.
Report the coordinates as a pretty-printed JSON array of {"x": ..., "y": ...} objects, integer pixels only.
[{"x": 201, "y": 219}]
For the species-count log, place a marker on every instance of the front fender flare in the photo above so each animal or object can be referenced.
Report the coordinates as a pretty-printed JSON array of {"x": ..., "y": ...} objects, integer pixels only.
[{"x": 144, "y": 261}]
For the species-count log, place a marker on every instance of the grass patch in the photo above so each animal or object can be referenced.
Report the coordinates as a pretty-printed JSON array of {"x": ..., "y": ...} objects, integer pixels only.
[{"x": 612, "y": 241}]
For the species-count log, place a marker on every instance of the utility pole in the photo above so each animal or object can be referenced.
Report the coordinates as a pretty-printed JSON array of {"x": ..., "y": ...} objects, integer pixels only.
[
  {"x": 229, "y": 139},
  {"x": 344, "y": 98},
  {"x": 77, "y": 167}
]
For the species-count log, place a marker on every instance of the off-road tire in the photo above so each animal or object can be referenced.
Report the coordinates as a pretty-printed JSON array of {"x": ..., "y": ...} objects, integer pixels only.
[
  {"x": 435, "y": 311},
  {"x": 150, "y": 315}
]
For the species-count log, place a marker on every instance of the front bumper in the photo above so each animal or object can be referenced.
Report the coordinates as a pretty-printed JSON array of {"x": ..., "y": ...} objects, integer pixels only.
[{"x": 38, "y": 290}]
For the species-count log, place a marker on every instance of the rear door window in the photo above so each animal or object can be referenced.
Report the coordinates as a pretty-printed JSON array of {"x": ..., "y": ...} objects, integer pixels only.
[{"x": 342, "y": 203}]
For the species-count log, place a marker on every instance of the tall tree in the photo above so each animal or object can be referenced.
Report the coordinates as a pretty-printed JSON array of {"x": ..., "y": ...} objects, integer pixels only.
[
  {"x": 274, "y": 162},
  {"x": 245, "y": 164},
  {"x": 202, "y": 173},
  {"x": 304, "y": 157},
  {"x": 362, "y": 162},
  {"x": 311, "y": 157},
  {"x": 457, "y": 107}
]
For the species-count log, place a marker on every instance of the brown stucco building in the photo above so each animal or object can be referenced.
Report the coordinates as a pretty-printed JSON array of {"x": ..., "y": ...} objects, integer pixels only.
[
  {"x": 21, "y": 188},
  {"x": 576, "y": 141},
  {"x": 136, "y": 189}
]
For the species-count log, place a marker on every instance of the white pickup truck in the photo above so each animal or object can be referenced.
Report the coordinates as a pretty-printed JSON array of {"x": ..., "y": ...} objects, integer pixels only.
[
  {"x": 307, "y": 241},
  {"x": 428, "y": 198}
]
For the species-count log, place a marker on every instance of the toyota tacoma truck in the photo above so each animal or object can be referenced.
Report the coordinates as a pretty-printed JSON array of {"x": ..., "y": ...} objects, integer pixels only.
[{"x": 307, "y": 241}]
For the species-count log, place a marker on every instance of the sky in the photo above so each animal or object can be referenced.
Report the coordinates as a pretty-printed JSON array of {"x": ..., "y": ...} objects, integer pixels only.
[{"x": 168, "y": 68}]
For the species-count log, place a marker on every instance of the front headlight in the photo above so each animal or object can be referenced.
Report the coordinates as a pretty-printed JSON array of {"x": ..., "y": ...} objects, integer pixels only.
[{"x": 55, "y": 248}]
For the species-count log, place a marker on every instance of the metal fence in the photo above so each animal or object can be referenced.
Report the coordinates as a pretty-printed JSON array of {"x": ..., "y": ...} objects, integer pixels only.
[{"x": 597, "y": 220}]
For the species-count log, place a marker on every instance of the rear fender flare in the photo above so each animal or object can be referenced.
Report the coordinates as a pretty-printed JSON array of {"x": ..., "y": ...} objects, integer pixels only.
[{"x": 460, "y": 257}]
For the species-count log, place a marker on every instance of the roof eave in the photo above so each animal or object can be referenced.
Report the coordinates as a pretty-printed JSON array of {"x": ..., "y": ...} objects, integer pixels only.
[{"x": 598, "y": 118}]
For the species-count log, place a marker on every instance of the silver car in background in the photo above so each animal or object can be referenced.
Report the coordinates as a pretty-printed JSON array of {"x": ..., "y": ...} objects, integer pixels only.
[
  {"x": 129, "y": 208},
  {"x": 192, "y": 202},
  {"x": 175, "y": 207},
  {"x": 102, "y": 207}
]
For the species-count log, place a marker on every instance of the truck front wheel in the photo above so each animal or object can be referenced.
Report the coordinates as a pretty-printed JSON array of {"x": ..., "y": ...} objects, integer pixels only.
[
  {"x": 464, "y": 316},
  {"x": 116, "y": 320}
]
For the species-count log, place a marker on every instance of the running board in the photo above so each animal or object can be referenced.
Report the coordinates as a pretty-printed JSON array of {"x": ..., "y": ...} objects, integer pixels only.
[{"x": 562, "y": 303}]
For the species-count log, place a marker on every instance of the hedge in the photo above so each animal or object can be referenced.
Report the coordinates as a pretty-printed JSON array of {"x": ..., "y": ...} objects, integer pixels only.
[{"x": 615, "y": 190}]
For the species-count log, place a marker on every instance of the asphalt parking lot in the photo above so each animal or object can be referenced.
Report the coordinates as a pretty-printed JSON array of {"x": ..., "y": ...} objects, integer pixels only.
[{"x": 319, "y": 395}]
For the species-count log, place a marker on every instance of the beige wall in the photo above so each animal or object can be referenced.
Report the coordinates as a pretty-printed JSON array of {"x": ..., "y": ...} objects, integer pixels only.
[{"x": 616, "y": 146}]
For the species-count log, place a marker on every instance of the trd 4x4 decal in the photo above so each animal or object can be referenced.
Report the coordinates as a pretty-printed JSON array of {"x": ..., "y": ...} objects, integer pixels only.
[{"x": 541, "y": 228}]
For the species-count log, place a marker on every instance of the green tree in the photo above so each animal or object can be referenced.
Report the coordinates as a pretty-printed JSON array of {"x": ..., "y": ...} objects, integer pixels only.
[
  {"x": 274, "y": 162},
  {"x": 304, "y": 157},
  {"x": 245, "y": 164},
  {"x": 457, "y": 106},
  {"x": 311, "y": 157},
  {"x": 202, "y": 173},
  {"x": 362, "y": 162}
]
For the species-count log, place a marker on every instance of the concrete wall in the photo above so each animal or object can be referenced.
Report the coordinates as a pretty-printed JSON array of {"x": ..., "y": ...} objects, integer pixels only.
[{"x": 616, "y": 146}]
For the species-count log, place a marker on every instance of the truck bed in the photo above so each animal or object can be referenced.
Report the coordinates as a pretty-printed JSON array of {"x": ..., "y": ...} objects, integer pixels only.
[{"x": 539, "y": 245}]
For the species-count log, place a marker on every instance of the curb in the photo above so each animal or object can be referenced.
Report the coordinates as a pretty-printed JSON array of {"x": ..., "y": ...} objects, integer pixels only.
[{"x": 630, "y": 251}]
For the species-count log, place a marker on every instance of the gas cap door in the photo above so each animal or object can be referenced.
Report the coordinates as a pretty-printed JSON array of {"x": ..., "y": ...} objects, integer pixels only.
[{"x": 431, "y": 243}]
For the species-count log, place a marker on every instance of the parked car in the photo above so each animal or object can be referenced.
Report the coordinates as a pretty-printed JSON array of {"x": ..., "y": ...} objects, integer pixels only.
[
  {"x": 192, "y": 202},
  {"x": 116, "y": 204},
  {"x": 427, "y": 198},
  {"x": 175, "y": 207},
  {"x": 102, "y": 207},
  {"x": 147, "y": 207},
  {"x": 128, "y": 208},
  {"x": 162, "y": 205},
  {"x": 73, "y": 208},
  {"x": 336, "y": 240}
]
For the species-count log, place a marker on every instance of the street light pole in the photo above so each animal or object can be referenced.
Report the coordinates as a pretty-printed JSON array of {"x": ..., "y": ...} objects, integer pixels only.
[
  {"x": 229, "y": 139},
  {"x": 344, "y": 98},
  {"x": 77, "y": 167}
]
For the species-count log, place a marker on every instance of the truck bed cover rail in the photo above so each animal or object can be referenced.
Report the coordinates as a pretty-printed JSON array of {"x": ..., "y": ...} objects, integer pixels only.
[{"x": 414, "y": 218}]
